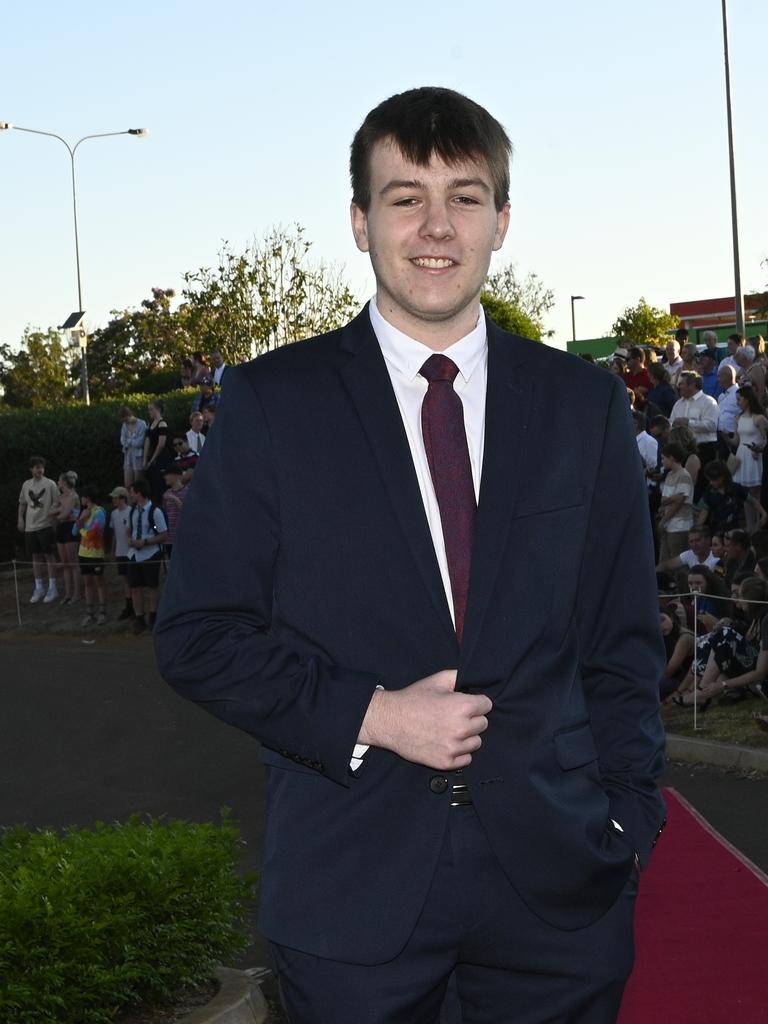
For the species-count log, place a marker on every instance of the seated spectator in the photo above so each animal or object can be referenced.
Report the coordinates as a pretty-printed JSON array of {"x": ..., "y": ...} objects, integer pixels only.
[
  {"x": 173, "y": 501},
  {"x": 739, "y": 556},
  {"x": 661, "y": 394},
  {"x": 723, "y": 501},
  {"x": 195, "y": 435},
  {"x": 738, "y": 653},
  {"x": 147, "y": 532},
  {"x": 205, "y": 396},
  {"x": 699, "y": 552},
  {"x": 712, "y": 600},
  {"x": 676, "y": 510},
  {"x": 90, "y": 526},
  {"x": 118, "y": 523},
  {"x": 185, "y": 460},
  {"x": 678, "y": 642}
]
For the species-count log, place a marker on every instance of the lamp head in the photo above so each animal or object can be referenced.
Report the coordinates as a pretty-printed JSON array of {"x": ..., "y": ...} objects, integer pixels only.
[
  {"x": 5, "y": 125},
  {"x": 140, "y": 132}
]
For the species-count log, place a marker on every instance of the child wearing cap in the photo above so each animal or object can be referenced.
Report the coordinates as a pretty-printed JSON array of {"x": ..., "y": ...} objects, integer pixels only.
[{"x": 119, "y": 525}]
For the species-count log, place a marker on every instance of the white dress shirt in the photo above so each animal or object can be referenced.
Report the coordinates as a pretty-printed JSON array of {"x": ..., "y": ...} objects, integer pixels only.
[
  {"x": 649, "y": 450},
  {"x": 404, "y": 357},
  {"x": 702, "y": 413},
  {"x": 729, "y": 409}
]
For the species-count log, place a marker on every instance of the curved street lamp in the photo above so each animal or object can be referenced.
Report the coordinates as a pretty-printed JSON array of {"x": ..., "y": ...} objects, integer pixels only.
[{"x": 140, "y": 133}]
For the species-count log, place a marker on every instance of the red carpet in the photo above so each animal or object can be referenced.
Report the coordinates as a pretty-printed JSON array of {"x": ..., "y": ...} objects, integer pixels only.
[{"x": 702, "y": 930}]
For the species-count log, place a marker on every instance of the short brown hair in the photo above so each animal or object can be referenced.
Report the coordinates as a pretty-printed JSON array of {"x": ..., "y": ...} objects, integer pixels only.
[{"x": 426, "y": 122}]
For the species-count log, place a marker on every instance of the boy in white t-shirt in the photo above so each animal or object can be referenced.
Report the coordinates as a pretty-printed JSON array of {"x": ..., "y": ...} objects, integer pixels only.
[
  {"x": 38, "y": 500},
  {"x": 119, "y": 522}
]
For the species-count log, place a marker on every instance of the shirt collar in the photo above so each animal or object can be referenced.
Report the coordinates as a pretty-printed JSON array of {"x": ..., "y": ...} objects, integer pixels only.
[{"x": 408, "y": 355}]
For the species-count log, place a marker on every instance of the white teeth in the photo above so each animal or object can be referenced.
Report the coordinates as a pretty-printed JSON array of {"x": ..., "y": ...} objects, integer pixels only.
[{"x": 431, "y": 263}]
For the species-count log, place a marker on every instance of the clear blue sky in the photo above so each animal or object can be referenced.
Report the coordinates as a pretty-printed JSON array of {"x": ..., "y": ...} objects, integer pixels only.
[{"x": 616, "y": 112}]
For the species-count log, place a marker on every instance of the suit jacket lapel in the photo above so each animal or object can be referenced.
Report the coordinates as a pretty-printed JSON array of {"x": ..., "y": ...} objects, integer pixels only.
[
  {"x": 509, "y": 440},
  {"x": 367, "y": 380}
]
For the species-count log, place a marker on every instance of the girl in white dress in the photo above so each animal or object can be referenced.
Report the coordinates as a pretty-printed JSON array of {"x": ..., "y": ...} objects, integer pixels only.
[{"x": 750, "y": 439}]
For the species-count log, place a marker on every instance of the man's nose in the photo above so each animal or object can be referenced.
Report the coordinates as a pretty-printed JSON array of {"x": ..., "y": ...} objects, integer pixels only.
[{"x": 437, "y": 221}]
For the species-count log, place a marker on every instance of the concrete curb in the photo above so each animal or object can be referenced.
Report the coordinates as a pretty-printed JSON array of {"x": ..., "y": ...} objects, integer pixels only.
[
  {"x": 721, "y": 755},
  {"x": 238, "y": 1001}
]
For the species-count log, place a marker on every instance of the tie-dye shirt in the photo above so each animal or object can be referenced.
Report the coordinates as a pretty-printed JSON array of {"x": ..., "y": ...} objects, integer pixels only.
[{"x": 90, "y": 526}]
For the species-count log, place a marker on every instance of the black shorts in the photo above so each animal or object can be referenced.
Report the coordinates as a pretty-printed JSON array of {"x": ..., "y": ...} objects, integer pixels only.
[
  {"x": 145, "y": 574},
  {"x": 40, "y": 542},
  {"x": 123, "y": 561},
  {"x": 91, "y": 566},
  {"x": 64, "y": 534}
]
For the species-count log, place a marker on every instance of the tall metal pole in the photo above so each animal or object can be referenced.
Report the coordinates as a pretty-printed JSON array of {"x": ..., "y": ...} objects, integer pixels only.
[
  {"x": 72, "y": 150},
  {"x": 734, "y": 219},
  {"x": 573, "y": 314}
]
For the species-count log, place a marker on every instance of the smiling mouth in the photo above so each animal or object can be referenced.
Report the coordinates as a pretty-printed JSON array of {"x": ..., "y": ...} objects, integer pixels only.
[{"x": 433, "y": 262}]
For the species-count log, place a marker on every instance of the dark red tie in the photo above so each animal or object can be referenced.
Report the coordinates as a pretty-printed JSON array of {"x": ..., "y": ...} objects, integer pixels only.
[{"x": 445, "y": 441}]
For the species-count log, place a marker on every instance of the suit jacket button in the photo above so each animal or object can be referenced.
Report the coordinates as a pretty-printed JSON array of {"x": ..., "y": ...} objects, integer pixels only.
[{"x": 438, "y": 783}]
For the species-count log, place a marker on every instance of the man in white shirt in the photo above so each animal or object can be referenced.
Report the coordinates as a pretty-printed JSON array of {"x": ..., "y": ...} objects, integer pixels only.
[
  {"x": 441, "y": 809},
  {"x": 38, "y": 499},
  {"x": 195, "y": 435},
  {"x": 674, "y": 363},
  {"x": 698, "y": 411},
  {"x": 728, "y": 408},
  {"x": 647, "y": 446},
  {"x": 147, "y": 532}
]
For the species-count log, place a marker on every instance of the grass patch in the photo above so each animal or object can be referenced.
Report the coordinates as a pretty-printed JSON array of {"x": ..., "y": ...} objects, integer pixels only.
[
  {"x": 722, "y": 723},
  {"x": 96, "y": 921}
]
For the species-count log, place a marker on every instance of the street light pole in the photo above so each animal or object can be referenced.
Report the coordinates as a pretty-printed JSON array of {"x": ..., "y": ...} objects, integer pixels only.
[
  {"x": 140, "y": 133},
  {"x": 732, "y": 168},
  {"x": 574, "y": 299}
]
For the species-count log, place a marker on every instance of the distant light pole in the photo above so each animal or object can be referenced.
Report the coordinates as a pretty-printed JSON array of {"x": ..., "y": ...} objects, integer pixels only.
[
  {"x": 734, "y": 220},
  {"x": 140, "y": 132},
  {"x": 574, "y": 299}
]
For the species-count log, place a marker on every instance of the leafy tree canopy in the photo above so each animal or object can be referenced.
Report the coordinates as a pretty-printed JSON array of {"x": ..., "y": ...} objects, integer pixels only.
[
  {"x": 510, "y": 317},
  {"x": 644, "y": 324},
  {"x": 39, "y": 373},
  {"x": 527, "y": 295}
]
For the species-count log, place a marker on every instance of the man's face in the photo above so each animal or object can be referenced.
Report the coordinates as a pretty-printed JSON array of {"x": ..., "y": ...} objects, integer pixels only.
[
  {"x": 180, "y": 445},
  {"x": 217, "y": 359},
  {"x": 732, "y": 346},
  {"x": 197, "y": 423},
  {"x": 430, "y": 232},
  {"x": 37, "y": 471},
  {"x": 699, "y": 545},
  {"x": 672, "y": 350},
  {"x": 686, "y": 388}
]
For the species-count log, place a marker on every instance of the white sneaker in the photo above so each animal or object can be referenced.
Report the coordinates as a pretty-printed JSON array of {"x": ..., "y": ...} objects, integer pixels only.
[
  {"x": 38, "y": 594},
  {"x": 52, "y": 594}
]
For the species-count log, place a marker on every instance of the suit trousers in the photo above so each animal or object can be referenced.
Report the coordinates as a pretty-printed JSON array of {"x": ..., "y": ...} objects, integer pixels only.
[{"x": 505, "y": 965}]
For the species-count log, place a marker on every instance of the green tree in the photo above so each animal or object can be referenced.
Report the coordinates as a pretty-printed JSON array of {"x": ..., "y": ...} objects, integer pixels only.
[
  {"x": 528, "y": 295},
  {"x": 39, "y": 373},
  {"x": 510, "y": 317},
  {"x": 267, "y": 296},
  {"x": 139, "y": 348},
  {"x": 644, "y": 324}
]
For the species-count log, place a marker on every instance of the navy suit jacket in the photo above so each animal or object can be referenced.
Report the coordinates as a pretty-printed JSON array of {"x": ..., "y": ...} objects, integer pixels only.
[{"x": 304, "y": 574}]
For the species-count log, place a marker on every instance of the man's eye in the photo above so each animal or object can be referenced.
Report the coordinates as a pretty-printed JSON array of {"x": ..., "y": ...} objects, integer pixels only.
[
  {"x": 467, "y": 200},
  {"x": 408, "y": 201}
]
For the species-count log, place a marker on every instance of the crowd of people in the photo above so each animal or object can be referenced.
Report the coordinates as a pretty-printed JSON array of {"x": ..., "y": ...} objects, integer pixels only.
[
  {"x": 701, "y": 426},
  {"x": 71, "y": 536}
]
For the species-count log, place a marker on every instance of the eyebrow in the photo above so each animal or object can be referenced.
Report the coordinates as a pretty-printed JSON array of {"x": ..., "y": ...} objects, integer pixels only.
[{"x": 416, "y": 184}]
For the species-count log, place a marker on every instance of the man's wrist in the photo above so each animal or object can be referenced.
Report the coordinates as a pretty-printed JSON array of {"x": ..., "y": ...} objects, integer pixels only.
[{"x": 371, "y": 728}]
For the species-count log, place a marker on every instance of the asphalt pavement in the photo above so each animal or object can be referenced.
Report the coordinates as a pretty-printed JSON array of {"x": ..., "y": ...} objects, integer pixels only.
[{"x": 89, "y": 732}]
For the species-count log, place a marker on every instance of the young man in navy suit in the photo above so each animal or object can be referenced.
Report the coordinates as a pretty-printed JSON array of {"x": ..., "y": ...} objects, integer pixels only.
[{"x": 426, "y": 609}]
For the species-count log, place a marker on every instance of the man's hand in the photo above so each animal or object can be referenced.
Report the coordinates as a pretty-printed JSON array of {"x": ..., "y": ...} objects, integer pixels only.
[{"x": 427, "y": 722}]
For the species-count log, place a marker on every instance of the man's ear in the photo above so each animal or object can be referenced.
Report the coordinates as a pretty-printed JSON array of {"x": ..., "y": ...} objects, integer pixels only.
[
  {"x": 359, "y": 226},
  {"x": 502, "y": 223}
]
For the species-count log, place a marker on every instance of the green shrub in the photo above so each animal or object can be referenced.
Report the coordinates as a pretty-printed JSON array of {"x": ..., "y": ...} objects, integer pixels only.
[
  {"x": 94, "y": 922},
  {"x": 85, "y": 438}
]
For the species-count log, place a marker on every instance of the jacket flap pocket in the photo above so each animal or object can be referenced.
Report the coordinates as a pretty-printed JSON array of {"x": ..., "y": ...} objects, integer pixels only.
[
  {"x": 575, "y": 747},
  {"x": 542, "y": 503}
]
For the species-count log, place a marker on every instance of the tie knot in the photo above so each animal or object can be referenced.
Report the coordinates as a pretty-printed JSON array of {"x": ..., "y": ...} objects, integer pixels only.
[{"x": 439, "y": 368}]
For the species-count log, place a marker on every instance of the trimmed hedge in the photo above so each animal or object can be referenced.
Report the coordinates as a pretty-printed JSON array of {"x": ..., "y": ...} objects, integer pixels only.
[
  {"x": 96, "y": 922},
  {"x": 76, "y": 436}
]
